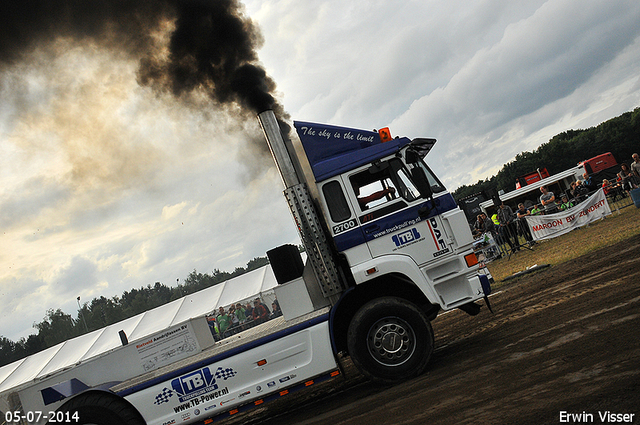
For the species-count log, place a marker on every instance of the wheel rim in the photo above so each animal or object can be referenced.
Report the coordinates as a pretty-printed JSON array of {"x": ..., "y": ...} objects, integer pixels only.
[{"x": 391, "y": 341}]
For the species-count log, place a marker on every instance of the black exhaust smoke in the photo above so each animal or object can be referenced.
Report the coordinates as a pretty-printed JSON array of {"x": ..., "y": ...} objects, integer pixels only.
[{"x": 211, "y": 45}]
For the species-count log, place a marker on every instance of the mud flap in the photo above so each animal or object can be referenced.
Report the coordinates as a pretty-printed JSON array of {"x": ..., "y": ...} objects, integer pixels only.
[
  {"x": 486, "y": 300},
  {"x": 486, "y": 288}
]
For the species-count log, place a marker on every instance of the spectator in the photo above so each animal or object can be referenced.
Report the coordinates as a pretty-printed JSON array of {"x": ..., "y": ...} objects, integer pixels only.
[
  {"x": 235, "y": 323},
  {"x": 223, "y": 321},
  {"x": 248, "y": 311},
  {"x": 213, "y": 327},
  {"x": 572, "y": 191},
  {"x": 581, "y": 193},
  {"x": 275, "y": 307},
  {"x": 489, "y": 225},
  {"x": 548, "y": 200},
  {"x": 265, "y": 307},
  {"x": 635, "y": 167},
  {"x": 626, "y": 178},
  {"x": 240, "y": 313},
  {"x": 566, "y": 204},
  {"x": 508, "y": 230},
  {"x": 522, "y": 213},
  {"x": 496, "y": 227},
  {"x": 606, "y": 187},
  {"x": 588, "y": 182},
  {"x": 537, "y": 210},
  {"x": 612, "y": 189},
  {"x": 260, "y": 313},
  {"x": 478, "y": 227}
]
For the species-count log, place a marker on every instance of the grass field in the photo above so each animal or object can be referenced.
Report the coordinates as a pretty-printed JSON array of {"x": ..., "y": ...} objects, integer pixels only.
[{"x": 618, "y": 226}]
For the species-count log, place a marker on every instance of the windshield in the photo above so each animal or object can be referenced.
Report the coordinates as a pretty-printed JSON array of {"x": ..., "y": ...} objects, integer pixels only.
[{"x": 387, "y": 181}]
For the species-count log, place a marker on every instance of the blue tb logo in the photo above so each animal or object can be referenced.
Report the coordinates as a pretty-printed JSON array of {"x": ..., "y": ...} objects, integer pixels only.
[
  {"x": 406, "y": 237},
  {"x": 194, "y": 382}
]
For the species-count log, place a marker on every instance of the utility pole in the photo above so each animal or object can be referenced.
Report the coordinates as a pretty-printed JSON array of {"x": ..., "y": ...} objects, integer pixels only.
[{"x": 82, "y": 315}]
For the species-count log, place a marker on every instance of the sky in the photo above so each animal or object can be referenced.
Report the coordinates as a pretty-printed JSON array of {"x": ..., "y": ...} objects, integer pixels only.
[{"x": 108, "y": 185}]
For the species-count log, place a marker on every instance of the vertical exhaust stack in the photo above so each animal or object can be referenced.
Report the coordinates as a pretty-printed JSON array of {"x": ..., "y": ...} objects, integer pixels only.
[
  {"x": 303, "y": 209},
  {"x": 278, "y": 148}
]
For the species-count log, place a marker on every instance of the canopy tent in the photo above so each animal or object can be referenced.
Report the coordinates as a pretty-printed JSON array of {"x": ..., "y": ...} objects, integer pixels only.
[{"x": 257, "y": 283}]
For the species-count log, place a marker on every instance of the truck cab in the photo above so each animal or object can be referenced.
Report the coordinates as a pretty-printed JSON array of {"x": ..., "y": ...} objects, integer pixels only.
[
  {"x": 386, "y": 210},
  {"x": 397, "y": 234}
]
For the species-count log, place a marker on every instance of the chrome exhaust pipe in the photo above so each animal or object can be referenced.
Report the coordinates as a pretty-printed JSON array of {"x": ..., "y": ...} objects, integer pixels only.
[{"x": 278, "y": 148}]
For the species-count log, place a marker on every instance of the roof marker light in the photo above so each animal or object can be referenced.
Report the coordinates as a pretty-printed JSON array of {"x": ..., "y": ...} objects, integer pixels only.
[{"x": 385, "y": 134}]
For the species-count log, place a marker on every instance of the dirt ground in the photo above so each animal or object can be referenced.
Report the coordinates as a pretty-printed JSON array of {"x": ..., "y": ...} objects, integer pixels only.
[{"x": 563, "y": 341}]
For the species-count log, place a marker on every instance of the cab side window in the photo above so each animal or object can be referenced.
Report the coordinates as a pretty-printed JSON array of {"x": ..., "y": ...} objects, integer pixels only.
[
  {"x": 336, "y": 202},
  {"x": 374, "y": 187}
]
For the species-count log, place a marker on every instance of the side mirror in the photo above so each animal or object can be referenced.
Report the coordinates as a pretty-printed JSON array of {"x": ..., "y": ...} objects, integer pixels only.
[
  {"x": 422, "y": 183},
  {"x": 411, "y": 156}
]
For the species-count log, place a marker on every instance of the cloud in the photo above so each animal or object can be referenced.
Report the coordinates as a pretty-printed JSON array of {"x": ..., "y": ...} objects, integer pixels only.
[
  {"x": 367, "y": 61},
  {"x": 170, "y": 211},
  {"x": 22, "y": 298},
  {"x": 498, "y": 96},
  {"x": 80, "y": 274}
]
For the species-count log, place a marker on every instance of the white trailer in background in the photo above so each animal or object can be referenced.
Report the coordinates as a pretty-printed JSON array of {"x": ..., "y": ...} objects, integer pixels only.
[
  {"x": 387, "y": 250},
  {"x": 530, "y": 194}
]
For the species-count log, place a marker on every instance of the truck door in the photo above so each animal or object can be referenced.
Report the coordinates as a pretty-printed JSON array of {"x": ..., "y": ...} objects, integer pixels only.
[{"x": 393, "y": 216}]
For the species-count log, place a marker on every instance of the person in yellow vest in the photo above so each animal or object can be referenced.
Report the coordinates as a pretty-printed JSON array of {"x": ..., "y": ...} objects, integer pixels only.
[
  {"x": 496, "y": 233},
  {"x": 537, "y": 210},
  {"x": 565, "y": 203}
]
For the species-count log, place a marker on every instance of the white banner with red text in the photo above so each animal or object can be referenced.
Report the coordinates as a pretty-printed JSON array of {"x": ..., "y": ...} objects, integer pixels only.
[{"x": 549, "y": 226}]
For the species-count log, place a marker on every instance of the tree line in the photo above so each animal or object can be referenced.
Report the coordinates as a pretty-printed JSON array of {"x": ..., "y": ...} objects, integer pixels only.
[
  {"x": 619, "y": 135},
  {"x": 58, "y": 326}
]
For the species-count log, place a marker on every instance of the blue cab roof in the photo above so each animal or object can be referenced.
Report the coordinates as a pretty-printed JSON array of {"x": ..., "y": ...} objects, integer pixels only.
[{"x": 332, "y": 150}]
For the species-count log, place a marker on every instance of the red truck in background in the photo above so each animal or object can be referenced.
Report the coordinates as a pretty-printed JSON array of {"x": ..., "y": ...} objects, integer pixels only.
[
  {"x": 533, "y": 177},
  {"x": 591, "y": 166},
  {"x": 599, "y": 163}
]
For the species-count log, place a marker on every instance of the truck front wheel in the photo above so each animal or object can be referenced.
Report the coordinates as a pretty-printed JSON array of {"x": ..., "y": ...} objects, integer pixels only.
[
  {"x": 99, "y": 408},
  {"x": 390, "y": 340}
]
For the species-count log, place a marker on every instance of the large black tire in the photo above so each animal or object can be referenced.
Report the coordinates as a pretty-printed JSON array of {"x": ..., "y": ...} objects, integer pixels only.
[
  {"x": 390, "y": 340},
  {"x": 101, "y": 408}
]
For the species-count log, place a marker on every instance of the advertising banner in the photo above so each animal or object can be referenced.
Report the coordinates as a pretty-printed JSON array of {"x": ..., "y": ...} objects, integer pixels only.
[
  {"x": 173, "y": 344},
  {"x": 549, "y": 226}
]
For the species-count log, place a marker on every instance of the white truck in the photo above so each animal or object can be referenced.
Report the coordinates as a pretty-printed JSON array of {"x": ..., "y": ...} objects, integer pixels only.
[{"x": 387, "y": 250}]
